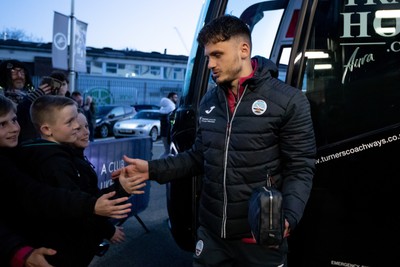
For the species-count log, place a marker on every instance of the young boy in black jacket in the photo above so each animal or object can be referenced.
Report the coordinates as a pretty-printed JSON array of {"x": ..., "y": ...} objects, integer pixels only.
[{"x": 50, "y": 160}]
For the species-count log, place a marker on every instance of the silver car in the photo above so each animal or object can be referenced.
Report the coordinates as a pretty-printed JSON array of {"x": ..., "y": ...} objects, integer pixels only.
[{"x": 145, "y": 123}]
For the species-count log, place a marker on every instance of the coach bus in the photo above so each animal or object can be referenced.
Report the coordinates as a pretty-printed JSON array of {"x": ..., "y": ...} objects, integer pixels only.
[{"x": 344, "y": 55}]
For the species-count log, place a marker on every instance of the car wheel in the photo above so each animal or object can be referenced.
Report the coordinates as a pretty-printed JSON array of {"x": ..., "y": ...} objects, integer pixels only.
[
  {"x": 103, "y": 131},
  {"x": 154, "y": 134}
]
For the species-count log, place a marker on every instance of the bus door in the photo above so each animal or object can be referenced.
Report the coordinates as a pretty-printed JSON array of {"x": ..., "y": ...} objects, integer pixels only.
[
  {"x": 273, "y": 25},
  {"x": 346, "y": 59}
]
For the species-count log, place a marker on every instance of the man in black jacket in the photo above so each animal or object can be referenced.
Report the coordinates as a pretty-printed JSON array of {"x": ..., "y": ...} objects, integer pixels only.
[{"x": 251, "y": 126}]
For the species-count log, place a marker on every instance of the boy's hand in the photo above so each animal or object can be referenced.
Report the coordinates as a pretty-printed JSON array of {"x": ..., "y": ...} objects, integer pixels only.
[
  {"x": 130, "y": 184},
  {"x": 105, "y": 206},
  {"x": 119, "y": 235}
]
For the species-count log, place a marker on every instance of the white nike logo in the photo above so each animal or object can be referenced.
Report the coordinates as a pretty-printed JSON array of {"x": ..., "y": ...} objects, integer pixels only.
[{"x": 208, "y": 111}]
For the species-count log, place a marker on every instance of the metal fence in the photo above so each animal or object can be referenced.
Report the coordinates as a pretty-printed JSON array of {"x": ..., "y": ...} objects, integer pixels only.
[{"x": 126, "y": 91}]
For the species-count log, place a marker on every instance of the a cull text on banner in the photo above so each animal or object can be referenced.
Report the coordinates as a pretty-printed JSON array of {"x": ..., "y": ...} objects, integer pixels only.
[{"x": 60, "y": 41}]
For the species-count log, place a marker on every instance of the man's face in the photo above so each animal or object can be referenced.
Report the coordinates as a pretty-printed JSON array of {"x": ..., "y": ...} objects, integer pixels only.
[
  {"x": 9, "y": 130},
  {"x": 65, "y": 126},
  {"x": 78, "y": 99},
  {"x": 175, "y": 98},
  {"x": 225, "y": 60},
  {"x": 18, "y": 78}
]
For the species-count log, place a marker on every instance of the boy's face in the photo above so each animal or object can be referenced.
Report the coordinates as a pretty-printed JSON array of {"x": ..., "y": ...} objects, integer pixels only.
[
  {"x": 64, "y": 128},
  {"x": 82, "y": 140},
  {"x": 9, "y": 130}
]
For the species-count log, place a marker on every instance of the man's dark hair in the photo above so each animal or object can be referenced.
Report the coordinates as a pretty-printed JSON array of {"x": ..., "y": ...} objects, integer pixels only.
[
  {"x": 222, "y": 29},
  {"x": 171, "y": 94},
  {"x": 76, "y": 93}
]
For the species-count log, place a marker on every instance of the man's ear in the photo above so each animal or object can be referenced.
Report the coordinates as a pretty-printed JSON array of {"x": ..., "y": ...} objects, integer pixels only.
[
  {"x": 45, "y": 129},
  {"x": 245, "y": 50}
]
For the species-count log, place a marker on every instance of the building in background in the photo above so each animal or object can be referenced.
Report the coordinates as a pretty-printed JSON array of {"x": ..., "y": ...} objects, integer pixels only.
[{"x": 112, "y": 76}]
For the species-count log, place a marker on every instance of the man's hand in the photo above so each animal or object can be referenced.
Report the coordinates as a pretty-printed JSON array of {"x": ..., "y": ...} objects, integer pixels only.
[
  {"x": 137, "y": 169},
  {"x": 105, "y": 206},
  {"x": 130, "y": 184},
  {"x": 37, "y": 259},
  {"x": 252, "y": 240},
  {"x": 286, "y": 233},
  {"x": 119, "y": 235}
]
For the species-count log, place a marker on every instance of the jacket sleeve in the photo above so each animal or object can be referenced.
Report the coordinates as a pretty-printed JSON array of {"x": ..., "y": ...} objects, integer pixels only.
[
  {"x": 116, "y": 186},
  {"x": 185, "y": 164},
  {"x": 298, "y": 152}
]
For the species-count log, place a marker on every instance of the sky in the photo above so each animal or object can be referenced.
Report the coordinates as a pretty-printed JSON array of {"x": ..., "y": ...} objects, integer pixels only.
[{"x": 147, "y": 26}]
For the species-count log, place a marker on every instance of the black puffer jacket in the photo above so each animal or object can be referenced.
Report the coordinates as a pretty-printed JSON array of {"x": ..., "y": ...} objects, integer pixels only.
[{"x": 270, "y": 132}]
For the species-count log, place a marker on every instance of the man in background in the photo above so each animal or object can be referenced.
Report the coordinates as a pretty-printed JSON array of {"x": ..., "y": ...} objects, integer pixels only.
[
  {"x": 167, "y": 106},
  {"x": 15, "y": 80}
]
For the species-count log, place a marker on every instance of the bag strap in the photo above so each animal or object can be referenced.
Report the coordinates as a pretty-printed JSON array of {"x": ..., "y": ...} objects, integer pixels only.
[{"x": 270, "y": 180}]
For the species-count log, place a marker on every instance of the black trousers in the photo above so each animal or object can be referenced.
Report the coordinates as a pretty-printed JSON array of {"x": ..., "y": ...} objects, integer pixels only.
[{"x": 211, "y": 250}]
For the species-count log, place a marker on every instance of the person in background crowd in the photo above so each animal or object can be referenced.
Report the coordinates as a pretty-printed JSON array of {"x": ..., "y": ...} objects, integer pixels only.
[
  {"x": 64, "y": 89},
  {"x": 90, "y": 112},
  {"x": 77, "y": 96},
  {"x": 60, "y": 87},
  {"x": 251, "y": 127},
  {"x": 167, "y": 106},
  {"x": 15, "y": 80}
]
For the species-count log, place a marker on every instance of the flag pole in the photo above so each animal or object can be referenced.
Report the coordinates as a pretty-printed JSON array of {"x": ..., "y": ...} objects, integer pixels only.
[{"x": 72, "y": 73}]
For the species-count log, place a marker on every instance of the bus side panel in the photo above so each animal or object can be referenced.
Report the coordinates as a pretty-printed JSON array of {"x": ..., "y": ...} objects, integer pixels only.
[{"x": 351, "y": 218}]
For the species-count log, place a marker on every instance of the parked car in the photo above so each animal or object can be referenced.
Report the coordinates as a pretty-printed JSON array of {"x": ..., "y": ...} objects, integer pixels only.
[
  {"x": 139, "y": 107},
  {"x": 146, "y": 122},
  {"x": 108, "y": 115}
]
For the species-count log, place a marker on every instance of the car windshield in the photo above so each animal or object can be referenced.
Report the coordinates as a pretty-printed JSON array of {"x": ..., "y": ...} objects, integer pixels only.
[
  {"x": 103, "y": 110},
  {"x": 147, "y": 115}
]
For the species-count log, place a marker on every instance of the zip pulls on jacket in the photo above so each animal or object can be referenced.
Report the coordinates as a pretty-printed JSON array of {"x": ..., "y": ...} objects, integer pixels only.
[{"x": 227, "y": 138}]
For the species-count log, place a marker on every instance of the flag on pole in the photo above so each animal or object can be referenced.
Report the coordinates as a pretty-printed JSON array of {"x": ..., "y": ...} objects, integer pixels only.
[
  {"x": 60, "y": 41},
  {"x": 80, "y": 46}
]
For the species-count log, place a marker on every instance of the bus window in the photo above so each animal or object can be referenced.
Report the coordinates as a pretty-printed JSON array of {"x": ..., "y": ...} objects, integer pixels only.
[{"x": 351, "y": 72}]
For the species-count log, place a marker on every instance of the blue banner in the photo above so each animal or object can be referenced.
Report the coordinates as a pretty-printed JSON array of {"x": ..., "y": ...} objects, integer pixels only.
[{"x": 60, "y": 41}]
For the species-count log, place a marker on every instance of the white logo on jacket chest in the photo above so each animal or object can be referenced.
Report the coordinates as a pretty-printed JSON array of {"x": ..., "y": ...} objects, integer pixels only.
[
  {"x": 208, "y": 111},
  {"x": 259, "y": 107}
]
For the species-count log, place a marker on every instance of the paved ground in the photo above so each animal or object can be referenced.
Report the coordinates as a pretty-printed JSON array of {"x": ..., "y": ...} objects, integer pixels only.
[{"x": 153, "y": 249}]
